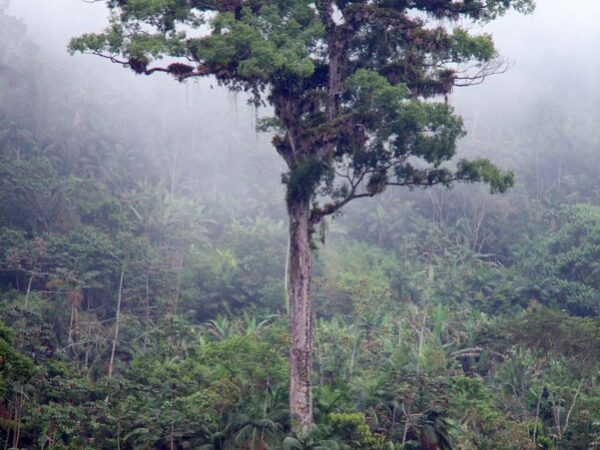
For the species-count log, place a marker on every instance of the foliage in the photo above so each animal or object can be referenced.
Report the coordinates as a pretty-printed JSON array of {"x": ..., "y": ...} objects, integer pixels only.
[
  {"x": 565, "y": 263},
  {"x": 444, "y": 319}
]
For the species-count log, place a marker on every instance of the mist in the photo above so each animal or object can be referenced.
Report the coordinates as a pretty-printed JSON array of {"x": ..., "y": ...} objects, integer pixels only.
[
  {"x": 212, "y": 128},
  {"x": 548, "y": 54},
  {"x": 167, "y": 282}
]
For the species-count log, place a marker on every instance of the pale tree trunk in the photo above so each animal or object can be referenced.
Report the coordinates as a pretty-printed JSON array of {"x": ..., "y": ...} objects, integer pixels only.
[
  {"x": 537, "y": 409},
  {"x": 18, "y": 417},
  {"x": 29, "y": 289},
  {"x": 301, "y": 408},
  {"x": 573, "y": 403},
  {"x": 117, "y": 318}
]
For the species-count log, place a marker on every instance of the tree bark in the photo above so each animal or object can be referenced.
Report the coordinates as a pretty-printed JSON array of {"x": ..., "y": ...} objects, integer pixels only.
[
  {"x": 111, "y": 363},
  {"x": 301, "y": 407},
  {"x": 28, "y": 289},
  {"x": 537, "y": 409},
  {"x": 573, "y": 403}
]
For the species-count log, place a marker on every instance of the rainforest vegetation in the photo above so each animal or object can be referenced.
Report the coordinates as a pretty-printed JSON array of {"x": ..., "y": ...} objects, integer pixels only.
[{"x": 147, "y": 252}]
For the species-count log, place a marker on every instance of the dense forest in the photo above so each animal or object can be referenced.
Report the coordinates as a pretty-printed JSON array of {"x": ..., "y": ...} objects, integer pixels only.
[{"x": 143, "y": 289}]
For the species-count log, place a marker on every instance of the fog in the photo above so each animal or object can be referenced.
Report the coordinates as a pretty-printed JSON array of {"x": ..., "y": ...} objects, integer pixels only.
[
  {"x": 214, "y": 127},
  {"x": 152, "y": 294},
  {"x": 550, "y": 53},
  {"x": 551, "y": 56}
]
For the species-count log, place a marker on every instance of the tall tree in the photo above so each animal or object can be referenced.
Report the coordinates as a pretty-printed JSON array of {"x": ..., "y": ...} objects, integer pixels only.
[{"x": 357, "y": 90}]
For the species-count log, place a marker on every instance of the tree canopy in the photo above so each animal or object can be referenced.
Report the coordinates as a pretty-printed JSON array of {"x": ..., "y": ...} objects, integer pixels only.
[{"x": 352, "y": 83}]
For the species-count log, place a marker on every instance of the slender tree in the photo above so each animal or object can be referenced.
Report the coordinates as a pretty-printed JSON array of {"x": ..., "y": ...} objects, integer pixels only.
[{"x": 357, "y": 88}]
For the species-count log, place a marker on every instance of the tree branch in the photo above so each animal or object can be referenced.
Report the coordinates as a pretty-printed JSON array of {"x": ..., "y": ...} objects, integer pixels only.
[{"x": 178, "y": 70}]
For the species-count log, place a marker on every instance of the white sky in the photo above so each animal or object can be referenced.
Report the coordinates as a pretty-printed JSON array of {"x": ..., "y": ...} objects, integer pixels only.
[{"x": 554, "y": 51}]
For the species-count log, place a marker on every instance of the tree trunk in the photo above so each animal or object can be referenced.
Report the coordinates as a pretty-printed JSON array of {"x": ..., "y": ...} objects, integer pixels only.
[
  {"x": 28, "y": 289},
  {"x": 537, "y": 410},
  {"x": 111, "y": 363},
  {"x": 301, "y": 408}
]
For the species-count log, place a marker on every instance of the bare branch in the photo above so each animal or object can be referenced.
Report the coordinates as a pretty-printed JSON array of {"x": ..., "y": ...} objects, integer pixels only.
[
  {"x": 175, "y": 69},
  {"x": 494, "y": 67}
]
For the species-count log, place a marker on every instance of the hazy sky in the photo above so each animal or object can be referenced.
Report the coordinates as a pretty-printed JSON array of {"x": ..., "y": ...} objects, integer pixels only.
[
  {"x": 561, "y": 35},
  {"x": 553, "y": 54}
]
